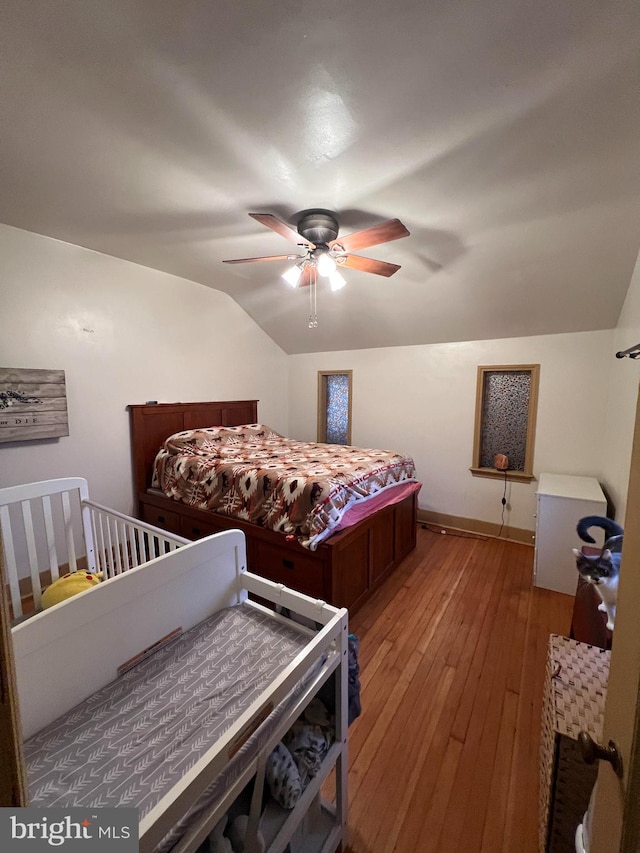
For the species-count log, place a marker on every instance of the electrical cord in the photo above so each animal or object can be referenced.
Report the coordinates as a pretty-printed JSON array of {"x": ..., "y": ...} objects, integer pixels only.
[
  {"x": 461, "y": 535},
  {"x": 504, "y": 503}
]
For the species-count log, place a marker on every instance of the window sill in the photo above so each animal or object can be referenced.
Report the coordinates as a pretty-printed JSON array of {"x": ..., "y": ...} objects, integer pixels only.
[{"x": 493, "y": 473}]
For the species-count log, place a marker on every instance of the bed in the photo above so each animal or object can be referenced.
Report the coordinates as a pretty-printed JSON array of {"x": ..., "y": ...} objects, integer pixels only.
[
  {"x": 184, "y": 687},
  {"x": 343, "y": 569}
]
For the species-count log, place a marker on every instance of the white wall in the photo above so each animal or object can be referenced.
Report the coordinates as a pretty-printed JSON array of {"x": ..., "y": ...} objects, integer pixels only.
[
  {"x": 123, "y": 334},
  {"x": 621, "y": 400},
  {"x": 421, "y": 400}
]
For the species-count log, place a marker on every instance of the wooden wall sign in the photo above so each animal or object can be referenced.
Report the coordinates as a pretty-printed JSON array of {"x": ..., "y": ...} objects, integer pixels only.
[{"x": 33, "y": 404}]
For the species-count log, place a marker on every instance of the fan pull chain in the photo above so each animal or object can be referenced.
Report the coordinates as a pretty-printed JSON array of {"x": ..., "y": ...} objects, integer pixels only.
[{"x": 313, "y": 304}]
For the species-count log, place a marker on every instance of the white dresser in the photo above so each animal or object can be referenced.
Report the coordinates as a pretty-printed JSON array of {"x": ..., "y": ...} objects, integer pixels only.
[{"x": 562, "y": 500}]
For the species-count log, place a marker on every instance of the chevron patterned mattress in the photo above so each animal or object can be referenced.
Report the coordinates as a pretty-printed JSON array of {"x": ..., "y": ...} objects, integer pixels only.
[{"x": 127, "y": 744}]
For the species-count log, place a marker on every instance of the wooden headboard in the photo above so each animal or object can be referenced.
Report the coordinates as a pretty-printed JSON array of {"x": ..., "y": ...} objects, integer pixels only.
[{"x": 152, "y": 423}]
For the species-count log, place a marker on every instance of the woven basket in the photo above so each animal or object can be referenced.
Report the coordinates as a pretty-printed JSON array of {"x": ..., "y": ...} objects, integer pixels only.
[{"x": 574, "y": 695}]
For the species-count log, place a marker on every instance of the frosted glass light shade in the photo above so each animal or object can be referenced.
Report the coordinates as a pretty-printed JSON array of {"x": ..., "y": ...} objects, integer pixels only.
[
  {"x": 336, "y": 280},
  {"x": 326, "y": 265},
  {"x": 292, "y": 275}
]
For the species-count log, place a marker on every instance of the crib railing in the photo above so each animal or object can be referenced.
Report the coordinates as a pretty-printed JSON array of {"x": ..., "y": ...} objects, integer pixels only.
[
  {"x": 52, "y": 527},
  {"x": 121, "y": 542}
]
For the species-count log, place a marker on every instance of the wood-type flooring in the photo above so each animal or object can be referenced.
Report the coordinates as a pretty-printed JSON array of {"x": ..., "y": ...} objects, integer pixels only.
[{"x": 452, "y": 654}]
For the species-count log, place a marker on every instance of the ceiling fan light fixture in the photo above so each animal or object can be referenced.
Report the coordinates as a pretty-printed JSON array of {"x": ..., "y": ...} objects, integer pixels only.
[
  {"x": 336, "y": 280},
  {"x": 292, "y": 275},
  {"x": 326, "y": 265},
  {"x": 316, "y": 236}
]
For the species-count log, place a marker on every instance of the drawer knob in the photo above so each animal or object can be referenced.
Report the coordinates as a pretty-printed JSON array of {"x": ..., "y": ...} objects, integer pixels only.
[
  {"x": 592, "y": 752},
  {"x": 161, "y": 519}
]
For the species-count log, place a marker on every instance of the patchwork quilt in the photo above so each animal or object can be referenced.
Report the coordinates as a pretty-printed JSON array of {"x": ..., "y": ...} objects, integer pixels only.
[{"x": 253, "y": 473}]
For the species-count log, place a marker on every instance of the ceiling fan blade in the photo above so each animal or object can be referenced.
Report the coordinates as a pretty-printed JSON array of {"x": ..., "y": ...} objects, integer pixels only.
[
  {"x": 269, "y": 258},
  {"x": 281, "y": 228},
  {"x": 356, "y": 262},
  {"x": 392, "y": 229}
]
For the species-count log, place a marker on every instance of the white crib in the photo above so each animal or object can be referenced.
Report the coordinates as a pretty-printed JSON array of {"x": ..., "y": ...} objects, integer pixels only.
[
  {"x": 130, "y": 618},
  {"x": 52, "y": 527}
]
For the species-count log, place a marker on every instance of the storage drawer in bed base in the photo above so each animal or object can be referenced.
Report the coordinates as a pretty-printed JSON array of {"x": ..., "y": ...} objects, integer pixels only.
[{"x": 343, "y": 571}]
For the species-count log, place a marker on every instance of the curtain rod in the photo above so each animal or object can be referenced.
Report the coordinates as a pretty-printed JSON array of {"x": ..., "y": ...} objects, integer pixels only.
[{"x": 631, "y": 352}]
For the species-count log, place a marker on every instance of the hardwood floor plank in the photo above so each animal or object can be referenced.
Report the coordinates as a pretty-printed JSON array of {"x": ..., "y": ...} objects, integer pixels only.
[
  {"x": 521, "y": 810},
  {"x": 395, "y": 819},
  {"x": 495, "y": 822},
  {"x": 475, "y": 771},
  {"x": 427, "y": 665},
  {"x": 486, "y": 652},
  {"x": 453, "y": 648},
  {"x": 484, "y": 724},
  {"x": 405, "y": 759},
  {"x": 396, "y": 668},
  {"x": 427, "y": 838},
  {"x": 378, "y": 734}
]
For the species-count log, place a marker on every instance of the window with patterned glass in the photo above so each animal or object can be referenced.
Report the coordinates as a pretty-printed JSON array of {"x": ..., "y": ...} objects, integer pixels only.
[
  {"x": 334, "y": 406},
  {"x": 506, "y": 407}
]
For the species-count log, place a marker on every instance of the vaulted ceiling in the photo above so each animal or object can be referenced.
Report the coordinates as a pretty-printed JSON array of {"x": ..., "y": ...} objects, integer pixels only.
[{"x": 505, "y": 134}]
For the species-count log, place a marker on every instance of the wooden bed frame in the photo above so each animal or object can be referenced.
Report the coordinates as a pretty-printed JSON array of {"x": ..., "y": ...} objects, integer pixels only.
[{"x": 343, "y": 571}]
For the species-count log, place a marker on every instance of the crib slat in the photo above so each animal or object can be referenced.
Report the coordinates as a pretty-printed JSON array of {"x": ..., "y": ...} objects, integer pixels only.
[
  {"x": 10, "y": 561},
  {"x": 94, "y": 536},
  {"x": 145, "y": 549},
  {"x": 115, "y": 538},
  {"x": 121, "y": 532},
  {"x": 112, "y": 527},
  {"x": 101, "y": 557},
  {"x": 32, "y": 553},
  {"x": 133, "y": 546},
  {"x": 88, "y": 531},
  {"x": 50, "y": 537},
  {"x": 109, "y": 556},
  {"x": 68, "y": 528},
  {"x": 127, "y": 556}
]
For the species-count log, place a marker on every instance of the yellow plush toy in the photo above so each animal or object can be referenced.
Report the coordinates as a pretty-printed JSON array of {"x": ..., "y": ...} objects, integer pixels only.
[{"x": 68, "y": 585}]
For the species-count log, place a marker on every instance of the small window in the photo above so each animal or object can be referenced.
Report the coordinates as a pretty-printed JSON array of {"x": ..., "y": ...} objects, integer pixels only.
[
  {"x": 506, "y": 406},
  {"x": 334, "y": 406}
]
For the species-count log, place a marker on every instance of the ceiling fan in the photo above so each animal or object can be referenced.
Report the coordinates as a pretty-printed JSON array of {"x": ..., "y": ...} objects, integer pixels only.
[{"x": 325, "y": 254}]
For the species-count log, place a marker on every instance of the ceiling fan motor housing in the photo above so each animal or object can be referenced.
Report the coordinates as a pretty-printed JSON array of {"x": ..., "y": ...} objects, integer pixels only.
[{"x": 318, "y": 226}]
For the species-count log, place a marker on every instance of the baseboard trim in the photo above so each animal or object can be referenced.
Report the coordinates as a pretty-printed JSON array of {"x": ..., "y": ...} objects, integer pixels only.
[{"x": 474, "y": 525}]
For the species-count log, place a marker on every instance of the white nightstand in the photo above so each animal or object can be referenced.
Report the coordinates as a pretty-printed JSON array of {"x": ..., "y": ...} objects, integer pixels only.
[{"x": 562, "y": 500}]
